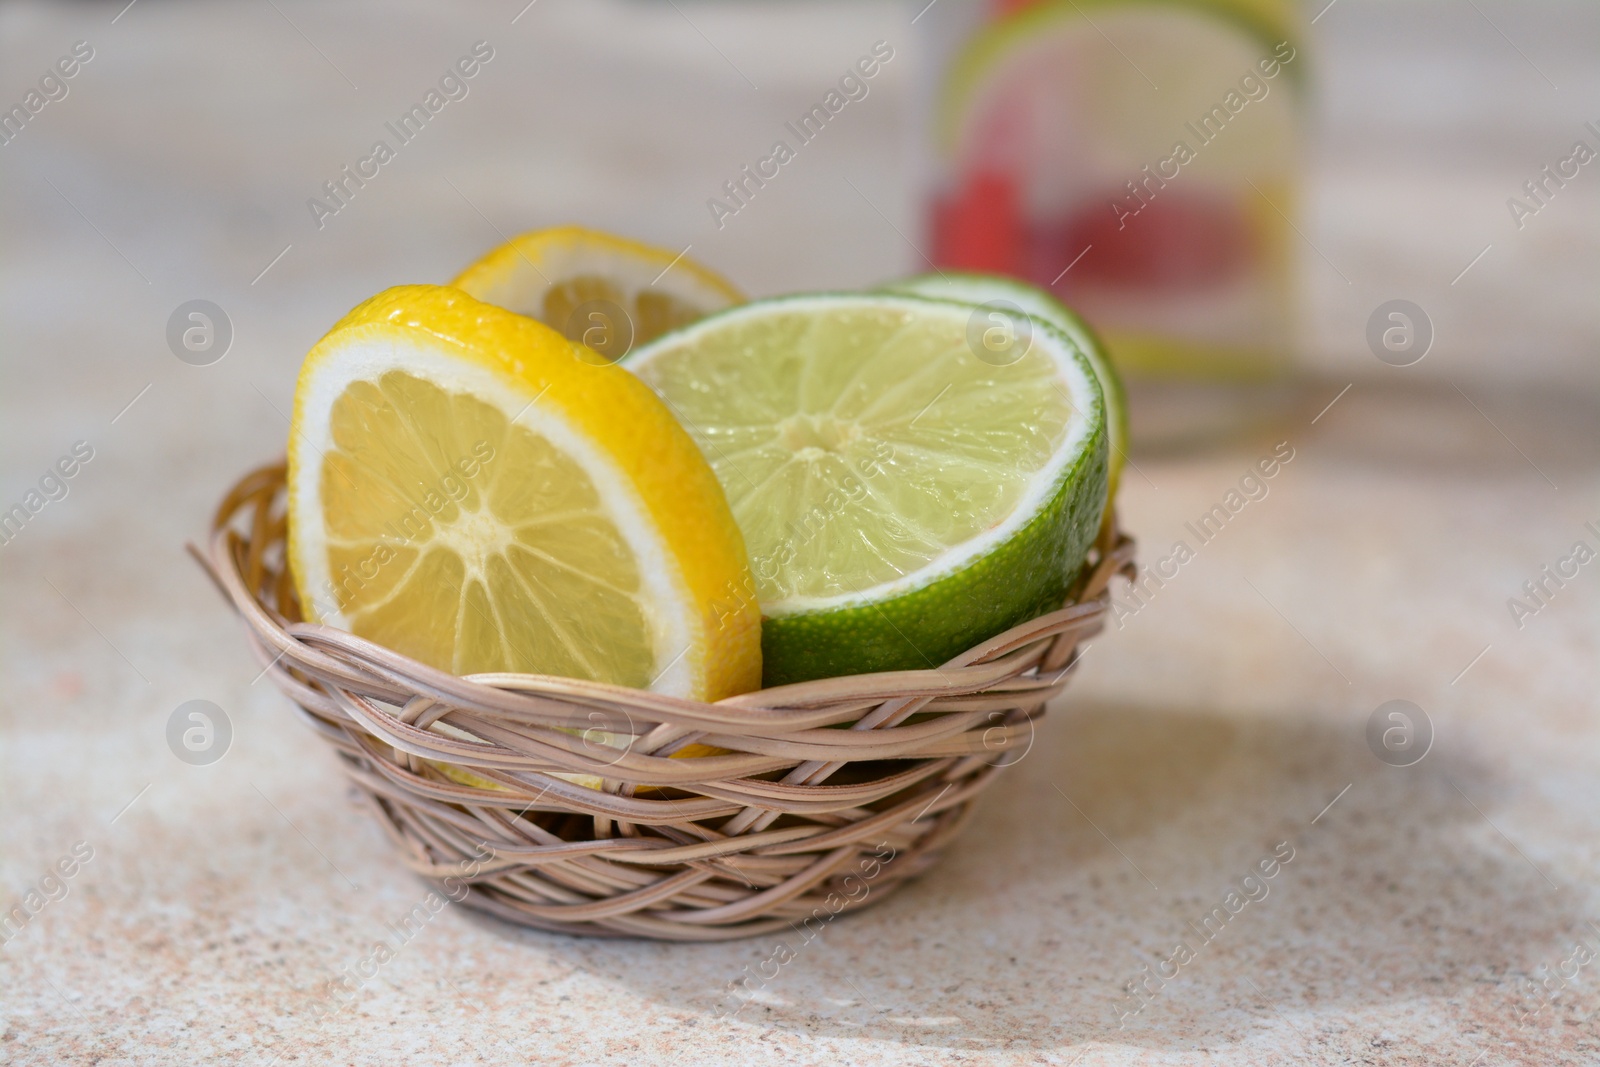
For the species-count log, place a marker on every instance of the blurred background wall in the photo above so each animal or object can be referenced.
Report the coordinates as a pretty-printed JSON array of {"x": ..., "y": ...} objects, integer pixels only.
[
  {"x": 181, "y": 162},
  {"x": 1430, "y": 116}
]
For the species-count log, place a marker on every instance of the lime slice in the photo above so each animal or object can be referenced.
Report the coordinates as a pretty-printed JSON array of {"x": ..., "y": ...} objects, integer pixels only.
[
  {"x": 901, "y": 498},
  {"x": 987, "y": 288}
]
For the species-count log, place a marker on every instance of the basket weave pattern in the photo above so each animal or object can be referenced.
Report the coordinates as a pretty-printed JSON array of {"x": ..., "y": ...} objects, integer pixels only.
[{"x": 829, "y": 793}]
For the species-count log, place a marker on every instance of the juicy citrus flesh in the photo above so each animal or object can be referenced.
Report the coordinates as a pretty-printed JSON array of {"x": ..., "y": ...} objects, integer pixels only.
[
  {"x": 566, "y": 305},
  {"x": 521, "y": 568},
  {"x": 900, "y": 497},
  {"x": 606, "y": 292},
  {"x": 983, "y": 288},
  {"x": 468, "y": 489},
  {"x": 793, "y": 425}
]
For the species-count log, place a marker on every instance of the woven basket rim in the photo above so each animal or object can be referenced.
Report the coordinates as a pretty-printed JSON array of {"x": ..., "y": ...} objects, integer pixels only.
[{"x": 726, "y": 845}]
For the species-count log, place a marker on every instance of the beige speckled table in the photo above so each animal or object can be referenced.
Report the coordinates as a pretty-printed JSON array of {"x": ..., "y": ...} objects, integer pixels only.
[{"x": 1220, "y": 723}]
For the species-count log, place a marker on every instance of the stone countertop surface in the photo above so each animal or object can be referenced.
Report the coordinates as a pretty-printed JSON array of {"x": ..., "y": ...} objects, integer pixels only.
[{"x": 1220, "y": 720}]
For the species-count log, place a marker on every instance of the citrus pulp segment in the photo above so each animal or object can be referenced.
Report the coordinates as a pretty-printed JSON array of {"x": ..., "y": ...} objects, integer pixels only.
[{"x": 1036, "y": 302}]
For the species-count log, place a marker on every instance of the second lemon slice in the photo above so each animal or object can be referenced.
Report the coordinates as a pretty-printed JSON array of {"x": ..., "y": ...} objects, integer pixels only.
[
  {"x": 606, "y": 292},
  {"x": 466, "y": 489}
]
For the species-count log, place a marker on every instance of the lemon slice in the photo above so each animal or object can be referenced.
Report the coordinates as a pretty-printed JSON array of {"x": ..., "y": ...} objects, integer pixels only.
[
  {"x": 466, "y": 489},
  {"x": 605, "y": 292}
]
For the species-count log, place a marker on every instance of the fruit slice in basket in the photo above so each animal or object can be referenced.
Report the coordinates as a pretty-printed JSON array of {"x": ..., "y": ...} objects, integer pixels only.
[
  {"x": 902, "y": 496},
  {"x": 606, "y": 292},
  {"x": 466, "y": 488},
  {"x": 989, "y": 288}
]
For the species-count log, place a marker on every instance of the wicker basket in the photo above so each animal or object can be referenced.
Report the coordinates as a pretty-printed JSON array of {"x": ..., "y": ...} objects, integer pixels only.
[{"x": 832, "y": 792}]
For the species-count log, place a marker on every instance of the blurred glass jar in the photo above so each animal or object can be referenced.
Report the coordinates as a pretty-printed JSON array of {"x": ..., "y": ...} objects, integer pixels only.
[{"x": 1136, "y": 157}]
